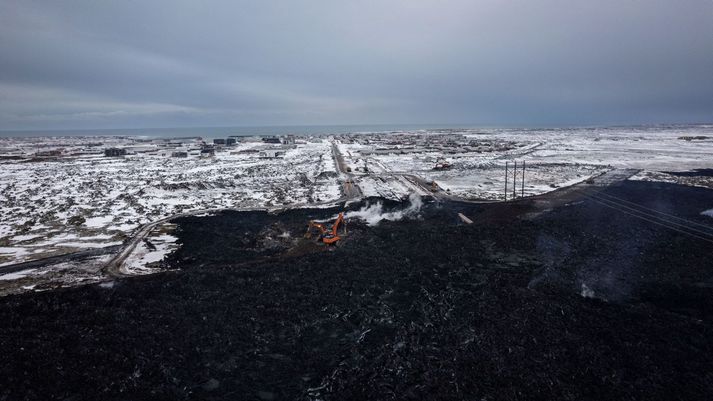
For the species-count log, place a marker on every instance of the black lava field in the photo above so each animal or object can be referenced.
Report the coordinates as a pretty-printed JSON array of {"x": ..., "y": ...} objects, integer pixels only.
[{"x": 581, "y": 302}]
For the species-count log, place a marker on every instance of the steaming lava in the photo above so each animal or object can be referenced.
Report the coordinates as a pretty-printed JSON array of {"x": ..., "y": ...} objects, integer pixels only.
[{"x": 419, "y": 308}]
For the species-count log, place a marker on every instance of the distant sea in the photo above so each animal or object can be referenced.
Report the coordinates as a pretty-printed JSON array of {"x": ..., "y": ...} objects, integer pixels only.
[
  {"x": 317, "y": 130},
  {"x": 222, "y": 132}
]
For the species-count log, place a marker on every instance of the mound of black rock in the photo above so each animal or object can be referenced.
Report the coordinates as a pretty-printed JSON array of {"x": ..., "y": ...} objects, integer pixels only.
[{"x": 421, "y": 308}]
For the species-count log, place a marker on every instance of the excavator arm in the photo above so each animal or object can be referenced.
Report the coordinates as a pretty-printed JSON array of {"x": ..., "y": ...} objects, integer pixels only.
[
  {"x": 337, "y": 222},
  {"x": 332, "y": 237}
]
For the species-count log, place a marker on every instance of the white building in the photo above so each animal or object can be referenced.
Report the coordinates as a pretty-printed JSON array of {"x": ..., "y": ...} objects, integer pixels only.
[{"x": 271, "y": 153}]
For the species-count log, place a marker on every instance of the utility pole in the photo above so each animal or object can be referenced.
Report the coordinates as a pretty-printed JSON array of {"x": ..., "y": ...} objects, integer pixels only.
[
  {"x": 514, "y": 181},
  {"x": 523, "y": 178},
  {"x": 506, "y": 180}
]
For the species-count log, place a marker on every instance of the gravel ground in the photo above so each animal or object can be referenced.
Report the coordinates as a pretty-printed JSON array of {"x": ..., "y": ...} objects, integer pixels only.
[{"x": 580, "y": 303}]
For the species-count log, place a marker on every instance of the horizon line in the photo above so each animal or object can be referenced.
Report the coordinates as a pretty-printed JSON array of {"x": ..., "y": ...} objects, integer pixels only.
[{"x": 432, "y": 125}]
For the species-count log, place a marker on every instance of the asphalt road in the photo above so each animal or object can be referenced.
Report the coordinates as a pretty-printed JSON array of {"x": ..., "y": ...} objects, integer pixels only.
[{"x": 351, "y": 190}]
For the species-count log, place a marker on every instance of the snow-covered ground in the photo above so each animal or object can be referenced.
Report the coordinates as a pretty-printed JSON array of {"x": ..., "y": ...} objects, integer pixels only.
[
  {"x": 82, "y": 199},
  {"x": 553, "y": 158},
  {"x": 55, "y": 275},
  {"x": 148, "y": 255}
]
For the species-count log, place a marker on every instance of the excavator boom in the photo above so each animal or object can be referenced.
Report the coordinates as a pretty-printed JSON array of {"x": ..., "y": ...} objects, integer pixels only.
[{"x": 337, "y": 223}]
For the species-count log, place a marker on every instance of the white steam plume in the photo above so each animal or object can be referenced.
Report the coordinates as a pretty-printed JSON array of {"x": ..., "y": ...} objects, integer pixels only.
[{"x": 373, "y": 214}]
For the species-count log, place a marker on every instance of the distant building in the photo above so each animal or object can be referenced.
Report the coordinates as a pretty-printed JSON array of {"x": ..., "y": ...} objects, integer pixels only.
[
  {"x": 271, "y": 139},
  {"x": 271, "y": 153},
  {"x": 248, "y": 139},
  {"x": 114, "y": 152},
  {"x": 288, "y": 140},
  {"x": 49, "y": 153},
  {"x": 137, "y": 149},
  {"x": 230, "y": 141},
  {"x": 219, "y": 141},
  {"x": 207, "y": 152},
  {"x": 179, "y": 154}
]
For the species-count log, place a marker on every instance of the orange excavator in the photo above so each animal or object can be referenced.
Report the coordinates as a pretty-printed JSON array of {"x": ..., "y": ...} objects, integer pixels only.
[{"x": 326, "y": 235}]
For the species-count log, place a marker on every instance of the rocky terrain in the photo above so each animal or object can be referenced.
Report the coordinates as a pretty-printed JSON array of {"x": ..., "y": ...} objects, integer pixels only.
[{"x": 581, "y": 302}]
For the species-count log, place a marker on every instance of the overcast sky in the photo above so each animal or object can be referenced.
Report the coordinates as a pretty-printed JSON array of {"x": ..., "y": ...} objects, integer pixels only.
[{"x": 121, "y": 64}]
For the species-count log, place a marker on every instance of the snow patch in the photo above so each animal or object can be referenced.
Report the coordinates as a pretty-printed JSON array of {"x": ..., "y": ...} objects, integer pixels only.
[
  {"x": 98, "y": 222},
  {"x": 142, "y": 258},
  {"x": 27, "y": 237},
  {"x": 587, "y": 292},
  {"x": 17, "y": 275}
]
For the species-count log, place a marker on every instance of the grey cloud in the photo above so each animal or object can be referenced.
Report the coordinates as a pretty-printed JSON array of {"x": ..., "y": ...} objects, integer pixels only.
[{"x": 481, "y": 62}]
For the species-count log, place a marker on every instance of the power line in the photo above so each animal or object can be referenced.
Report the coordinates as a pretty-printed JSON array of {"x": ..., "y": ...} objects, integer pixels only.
[
  {"x": 655, "y": 222},
  {"x": 602, "y": 202},
  {"x": 655, "y": 217},
  {"x": 600, "y": 192},
  {"x": 657, "y": 211}
]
